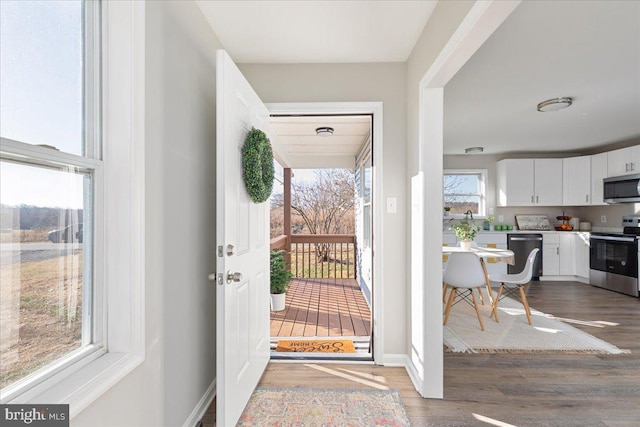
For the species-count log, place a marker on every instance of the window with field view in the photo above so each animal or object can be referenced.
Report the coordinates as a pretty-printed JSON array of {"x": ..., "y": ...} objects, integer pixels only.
[
  {"x": 47, "y": 182},
  {"x": 322, "y": 222},
  {"x": 464, "y": 190}
]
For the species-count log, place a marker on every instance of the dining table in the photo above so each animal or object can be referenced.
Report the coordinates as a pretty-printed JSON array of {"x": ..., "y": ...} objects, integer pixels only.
[{"x": 485, "y": 254}]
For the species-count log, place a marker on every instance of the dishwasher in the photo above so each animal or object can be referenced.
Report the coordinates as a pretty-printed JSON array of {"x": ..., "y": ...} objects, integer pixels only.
[{"x": 522, "y": 244}]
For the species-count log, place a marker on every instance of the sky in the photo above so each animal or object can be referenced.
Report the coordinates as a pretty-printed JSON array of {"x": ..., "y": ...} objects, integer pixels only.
[{"x": 41, "y": 78}]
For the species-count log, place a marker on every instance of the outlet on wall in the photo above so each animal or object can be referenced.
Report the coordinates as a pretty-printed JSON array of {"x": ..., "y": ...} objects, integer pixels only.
[
  {"x": 490, "y": 211},
  {"x": 500, "y": 218},
  {"x": 603, "y": 219}
]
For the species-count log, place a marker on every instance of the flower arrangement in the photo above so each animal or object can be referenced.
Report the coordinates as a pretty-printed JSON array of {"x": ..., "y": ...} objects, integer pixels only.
[{"x": 466, "y": 229}]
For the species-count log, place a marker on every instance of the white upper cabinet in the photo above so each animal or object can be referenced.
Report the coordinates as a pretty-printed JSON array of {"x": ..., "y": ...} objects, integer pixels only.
[
  {"x": 625, "y": 161},
  {"x": 598, "y": 173},
  {"x": 576, "y": 181},
  {"x": 529, "y": 182}
]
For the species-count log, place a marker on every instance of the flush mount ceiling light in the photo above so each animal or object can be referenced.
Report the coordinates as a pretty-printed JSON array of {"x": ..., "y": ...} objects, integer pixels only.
[
  {"x": 473, "y": 150},
  {"x": 554, "y": 104},
  {"x": 324, "y": 131}
]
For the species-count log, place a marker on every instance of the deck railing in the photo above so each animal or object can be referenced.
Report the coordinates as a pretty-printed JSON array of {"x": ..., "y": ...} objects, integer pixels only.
[{"x": 319, "y": 255}]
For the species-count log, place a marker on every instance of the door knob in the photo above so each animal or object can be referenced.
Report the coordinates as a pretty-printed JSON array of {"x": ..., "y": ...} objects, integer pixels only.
[{"x": 233, "y": 277}]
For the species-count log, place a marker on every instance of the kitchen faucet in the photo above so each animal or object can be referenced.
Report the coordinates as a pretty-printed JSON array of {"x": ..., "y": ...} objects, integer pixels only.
[{"x": 468, "y": 212}]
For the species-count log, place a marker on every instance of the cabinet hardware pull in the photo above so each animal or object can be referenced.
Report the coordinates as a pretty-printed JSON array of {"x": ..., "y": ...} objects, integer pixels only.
[
  {"x": 537, "y": 199},
  {"x": 531, "y": 199},
  {"x": 587, "y": 198},
  {"x": 632, "y": 166}
]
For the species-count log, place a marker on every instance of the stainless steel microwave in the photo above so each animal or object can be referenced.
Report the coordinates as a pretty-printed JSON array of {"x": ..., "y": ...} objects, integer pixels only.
[{"x": 622, "y": 189}]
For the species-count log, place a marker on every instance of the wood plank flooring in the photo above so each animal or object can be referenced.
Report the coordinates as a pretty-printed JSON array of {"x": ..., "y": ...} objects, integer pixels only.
[
  {"x": 322, "y": 308},
  {"x": 516, "y": 390}
]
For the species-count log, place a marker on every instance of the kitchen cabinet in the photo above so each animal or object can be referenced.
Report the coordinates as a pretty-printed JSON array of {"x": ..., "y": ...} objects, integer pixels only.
[
  {"x": 550, "y": 254},
  {"x": 529, "y": 182},
  {"x": 567, "y": 254},
  {"x": 598, "y": 173},
  {"x": 581, "y": 249},
  {"x": 582, "y": 180},
  {"x": 576, "y": 181},
  {"x": 624, "y": 161}
]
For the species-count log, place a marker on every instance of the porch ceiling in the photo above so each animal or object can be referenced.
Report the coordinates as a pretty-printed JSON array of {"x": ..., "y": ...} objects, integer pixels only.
[{"x": 297, "y": 146}]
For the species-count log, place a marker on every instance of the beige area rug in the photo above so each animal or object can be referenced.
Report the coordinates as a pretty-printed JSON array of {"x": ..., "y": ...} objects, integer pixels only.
[
  {"x": 513, "y": 334},
  {"x": 324, "y": 407}
]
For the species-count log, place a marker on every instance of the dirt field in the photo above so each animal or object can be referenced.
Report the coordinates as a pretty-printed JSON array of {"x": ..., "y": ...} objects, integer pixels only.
[{"x": 40, "y": 313}]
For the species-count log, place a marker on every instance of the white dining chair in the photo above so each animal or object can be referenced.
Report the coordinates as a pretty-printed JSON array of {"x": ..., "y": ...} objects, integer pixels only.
[
  {"x": 463, "y": 274},
  {"x": 510, "y": 284}
]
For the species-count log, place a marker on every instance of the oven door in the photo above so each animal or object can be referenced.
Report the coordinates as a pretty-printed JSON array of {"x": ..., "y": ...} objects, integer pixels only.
[{"x": 614, "y": 254}]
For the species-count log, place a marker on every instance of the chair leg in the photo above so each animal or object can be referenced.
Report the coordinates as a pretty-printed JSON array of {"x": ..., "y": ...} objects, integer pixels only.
[
  {"x": 452, "y": 296},
  {"x": 475, "y": 304},
  {"x": 527, "y": 310},
  {"x": 444, "y": 293},
  {"x": 481, "y": 296},
  {"x": 494, "y": 309}
]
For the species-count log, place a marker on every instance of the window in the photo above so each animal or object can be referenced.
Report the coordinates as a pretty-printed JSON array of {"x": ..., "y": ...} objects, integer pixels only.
[
  {"x": 79, "y": 200},
  {"x": 48, "y": 178},
  {"x": 464, "y": 190}
]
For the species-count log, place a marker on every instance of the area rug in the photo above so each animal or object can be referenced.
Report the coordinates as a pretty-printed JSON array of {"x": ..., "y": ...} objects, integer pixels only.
[
  {"x": 513, "y": 334},
  {"x": 316, "y": 346},
  {"x": 324, "y": 407}
]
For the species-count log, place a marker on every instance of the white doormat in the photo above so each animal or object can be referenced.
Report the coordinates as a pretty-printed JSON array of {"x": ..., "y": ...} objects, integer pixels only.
[{"x": 513, "y": 334}]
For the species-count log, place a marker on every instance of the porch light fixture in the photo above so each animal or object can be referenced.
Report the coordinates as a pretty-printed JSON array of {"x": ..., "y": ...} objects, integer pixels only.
[
  {"x": 554, "y": 104},
  {"x": 324, "y": 131},
  {"x": 473, "y": 150}
]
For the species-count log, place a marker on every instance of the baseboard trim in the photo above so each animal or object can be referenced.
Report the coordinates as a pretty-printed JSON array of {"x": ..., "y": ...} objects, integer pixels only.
[
  {"x": 413, "y": 375},
  {"x": 395, "y": 360},
  {"x": 202, "y": 406}
]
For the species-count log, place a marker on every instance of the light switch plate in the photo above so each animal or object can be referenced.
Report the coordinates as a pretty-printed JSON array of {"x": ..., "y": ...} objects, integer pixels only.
[{"x": 392, "y": 205}]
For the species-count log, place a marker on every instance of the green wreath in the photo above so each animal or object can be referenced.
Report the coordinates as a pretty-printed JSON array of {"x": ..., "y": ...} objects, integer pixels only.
[{"x": 257, "y": 165}]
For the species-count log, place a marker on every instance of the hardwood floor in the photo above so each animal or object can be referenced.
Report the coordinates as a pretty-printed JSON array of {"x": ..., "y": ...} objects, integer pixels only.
[{"x": 520, "y": 390}]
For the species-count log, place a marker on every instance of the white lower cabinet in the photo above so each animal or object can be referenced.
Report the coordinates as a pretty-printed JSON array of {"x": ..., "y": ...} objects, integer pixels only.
[
  {"x": 550, "y": 254},
  {"x": 565, "y": 256},
  {"x": 582, "y": 251}
]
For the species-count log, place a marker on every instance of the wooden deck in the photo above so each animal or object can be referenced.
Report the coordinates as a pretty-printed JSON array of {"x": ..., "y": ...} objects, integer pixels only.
[{"x": 323, "y": 308}]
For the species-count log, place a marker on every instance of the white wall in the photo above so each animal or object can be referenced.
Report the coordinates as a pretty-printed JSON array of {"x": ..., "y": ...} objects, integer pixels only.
[
  {"x": 365, "y": 83},
  {"x": 425, "y": 346},
  {"x": 180, "y": 226}
]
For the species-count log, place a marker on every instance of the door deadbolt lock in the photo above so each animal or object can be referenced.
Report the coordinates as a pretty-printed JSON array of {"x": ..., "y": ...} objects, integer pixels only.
[
  {"x": 229, "y": 250},
  {"x": 233, "y": 277}
]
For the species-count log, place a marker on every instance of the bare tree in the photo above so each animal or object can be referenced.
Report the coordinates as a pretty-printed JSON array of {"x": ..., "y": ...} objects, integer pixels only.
[{"x": 326, "y": 205}]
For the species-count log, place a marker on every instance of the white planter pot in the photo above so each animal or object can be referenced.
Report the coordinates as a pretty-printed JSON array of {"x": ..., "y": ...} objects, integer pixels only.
[
  {"x": 466, "y": 244},
  {"x": 277, "y": 302}
]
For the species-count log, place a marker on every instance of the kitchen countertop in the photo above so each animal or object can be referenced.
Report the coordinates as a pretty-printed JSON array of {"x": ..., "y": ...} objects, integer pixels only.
[{"x": 523, "y": 231}]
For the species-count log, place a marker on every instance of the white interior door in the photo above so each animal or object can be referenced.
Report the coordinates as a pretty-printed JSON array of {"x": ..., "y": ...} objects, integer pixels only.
[{"x": 242, "y": 317}]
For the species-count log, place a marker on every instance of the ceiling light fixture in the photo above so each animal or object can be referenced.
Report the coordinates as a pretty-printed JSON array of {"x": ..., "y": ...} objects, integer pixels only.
[
  {"x": 473, "y": 150},
  {"x": 554, "y": 104},
  {"x": 324, "y": 131}
]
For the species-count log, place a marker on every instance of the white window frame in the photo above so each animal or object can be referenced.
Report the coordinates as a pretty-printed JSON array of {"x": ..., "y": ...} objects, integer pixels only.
[
  {"x": 482, "y": 206},
  {"x": 119, "y": 277}
]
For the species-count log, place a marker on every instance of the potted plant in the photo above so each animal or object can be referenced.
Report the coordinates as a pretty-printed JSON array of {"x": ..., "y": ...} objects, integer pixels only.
[
  {"x": 280, "y": 280},
  {"x": 466, "y": 231},
  {"x": 447, "y": 210}
]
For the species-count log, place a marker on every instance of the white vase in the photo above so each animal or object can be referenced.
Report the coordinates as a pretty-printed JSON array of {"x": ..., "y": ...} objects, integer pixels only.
[
  {"x": 466, "y": 244},
  {"x": 278, "y": 302}
]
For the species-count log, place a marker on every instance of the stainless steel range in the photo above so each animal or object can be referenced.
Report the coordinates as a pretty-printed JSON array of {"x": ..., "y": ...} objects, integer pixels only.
[{"x": 614, "y": 258}]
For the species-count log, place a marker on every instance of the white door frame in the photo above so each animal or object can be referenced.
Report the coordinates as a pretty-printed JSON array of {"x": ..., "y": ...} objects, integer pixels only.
[
  {"x": 374, "y": 108},
  {"x": 482, "y": 20}
]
